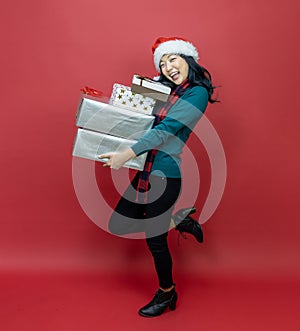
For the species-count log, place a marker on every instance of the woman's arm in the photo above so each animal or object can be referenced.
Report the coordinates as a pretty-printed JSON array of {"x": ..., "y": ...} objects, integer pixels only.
[{"x": 185, "y": 113}]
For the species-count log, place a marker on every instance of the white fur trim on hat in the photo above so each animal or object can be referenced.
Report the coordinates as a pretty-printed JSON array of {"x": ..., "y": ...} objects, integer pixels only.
[{"x": 174, "y": 47}]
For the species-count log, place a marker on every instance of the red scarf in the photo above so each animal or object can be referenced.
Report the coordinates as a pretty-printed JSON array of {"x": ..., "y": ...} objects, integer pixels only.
[{"x": 143, "y": 182}]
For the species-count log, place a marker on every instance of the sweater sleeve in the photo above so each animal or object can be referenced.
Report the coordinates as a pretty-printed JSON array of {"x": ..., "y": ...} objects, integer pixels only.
[{"x": 186, "y": 112}]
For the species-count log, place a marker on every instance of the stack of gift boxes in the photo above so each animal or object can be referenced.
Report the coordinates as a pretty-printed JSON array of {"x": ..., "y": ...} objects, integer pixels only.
[{"x": 116, "y": 124}]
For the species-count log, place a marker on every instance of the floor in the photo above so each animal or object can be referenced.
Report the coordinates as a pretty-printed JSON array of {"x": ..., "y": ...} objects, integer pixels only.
[{"x": 90, "y": 302}]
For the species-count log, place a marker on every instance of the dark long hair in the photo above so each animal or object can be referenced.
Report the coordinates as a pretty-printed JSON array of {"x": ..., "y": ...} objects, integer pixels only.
[{"x": 197, "y": 75}]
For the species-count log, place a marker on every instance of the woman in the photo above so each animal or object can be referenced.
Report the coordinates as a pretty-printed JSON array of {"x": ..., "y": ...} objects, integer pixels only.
[{"x": 147, "y": 204}]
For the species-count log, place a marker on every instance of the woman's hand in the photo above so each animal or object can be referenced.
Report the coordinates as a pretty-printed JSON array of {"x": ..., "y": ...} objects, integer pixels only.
[{"x": 117, "y": 160}]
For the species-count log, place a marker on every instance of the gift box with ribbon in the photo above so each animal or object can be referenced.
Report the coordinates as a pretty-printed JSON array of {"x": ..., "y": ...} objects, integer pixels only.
[
  {"x": 103, "y": 127},
  {"x": 150, "y": 88}
]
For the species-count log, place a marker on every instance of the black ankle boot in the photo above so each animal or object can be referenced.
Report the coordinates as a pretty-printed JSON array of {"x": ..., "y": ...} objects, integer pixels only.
[
  {"x": 160, "y": 302},
  {"x": 186, "y": 224}
]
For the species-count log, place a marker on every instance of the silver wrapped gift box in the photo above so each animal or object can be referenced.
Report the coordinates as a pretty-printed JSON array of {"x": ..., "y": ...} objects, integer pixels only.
[
  {"x": 90, "y": 144},
  {"x": 116, "y": 121}
]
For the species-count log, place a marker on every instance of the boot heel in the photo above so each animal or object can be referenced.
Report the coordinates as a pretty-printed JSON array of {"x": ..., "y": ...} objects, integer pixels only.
[
  {"x": 173, "y": 302},
  {"x": 160, "y": 302},
  {"x": 183, "y": 213}
]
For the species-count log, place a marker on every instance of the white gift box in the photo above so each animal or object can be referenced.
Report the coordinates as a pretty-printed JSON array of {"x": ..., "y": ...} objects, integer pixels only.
[
  {"x": 150, "y": 88},
  {"x": 123, "y": 96},
  {"x": 90, "y": 144},
  {"x": 106, "y": 118}
]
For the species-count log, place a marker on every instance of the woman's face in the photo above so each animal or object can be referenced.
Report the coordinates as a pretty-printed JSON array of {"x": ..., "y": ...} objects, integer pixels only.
[{"x": 174, "y": 67}]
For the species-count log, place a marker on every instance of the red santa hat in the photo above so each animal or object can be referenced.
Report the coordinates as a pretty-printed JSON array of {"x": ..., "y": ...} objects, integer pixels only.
[{"x": 172, "y": 45}]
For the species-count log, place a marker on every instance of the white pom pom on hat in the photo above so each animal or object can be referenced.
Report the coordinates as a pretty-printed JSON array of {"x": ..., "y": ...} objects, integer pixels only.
[{"x": 172, "y": 45}]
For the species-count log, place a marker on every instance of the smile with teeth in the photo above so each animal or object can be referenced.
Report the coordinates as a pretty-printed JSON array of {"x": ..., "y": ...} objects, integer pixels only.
[{"x": 173, "y": 74}]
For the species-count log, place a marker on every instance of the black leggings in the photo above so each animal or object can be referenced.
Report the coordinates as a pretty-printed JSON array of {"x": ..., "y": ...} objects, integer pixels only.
[{"x": 152, "y": 218}]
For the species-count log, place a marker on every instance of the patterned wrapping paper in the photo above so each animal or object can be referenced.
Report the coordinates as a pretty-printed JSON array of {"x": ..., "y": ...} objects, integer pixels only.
[
  {"x": 113, "y": 120},
  {"x": 123, "y": 96},
  {"x": 89, "y": 144}
]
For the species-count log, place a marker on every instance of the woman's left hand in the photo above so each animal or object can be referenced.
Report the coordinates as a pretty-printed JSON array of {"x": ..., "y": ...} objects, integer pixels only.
[{"x": 117, "y": 160}]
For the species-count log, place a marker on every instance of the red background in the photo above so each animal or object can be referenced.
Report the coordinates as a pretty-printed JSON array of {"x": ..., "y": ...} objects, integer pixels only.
[{"x": 51, "y": 254}]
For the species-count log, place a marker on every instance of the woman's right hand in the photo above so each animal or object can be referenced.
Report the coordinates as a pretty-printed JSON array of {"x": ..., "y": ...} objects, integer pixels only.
[{"x": 116, "y": 160}]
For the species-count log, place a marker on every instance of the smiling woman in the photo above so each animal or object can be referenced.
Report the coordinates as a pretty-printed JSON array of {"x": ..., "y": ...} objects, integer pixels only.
[
  {"x": 148, "y": 203},
  {"x": 174, "y": 68},
  {"x": 177, "y": 59}
]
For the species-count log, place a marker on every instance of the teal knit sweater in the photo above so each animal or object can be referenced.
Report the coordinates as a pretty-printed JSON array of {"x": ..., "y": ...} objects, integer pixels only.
[{"x": 171, "y": 134}]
